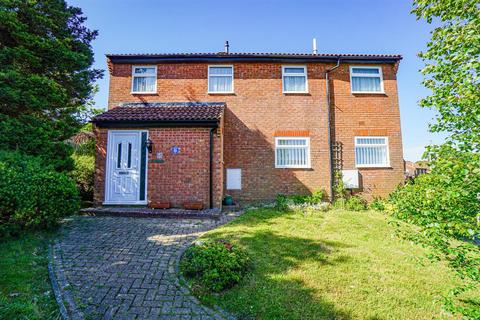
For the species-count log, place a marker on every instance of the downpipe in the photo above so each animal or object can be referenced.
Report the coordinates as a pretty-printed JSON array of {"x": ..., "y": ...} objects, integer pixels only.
[{"x": 327, "y": 84}]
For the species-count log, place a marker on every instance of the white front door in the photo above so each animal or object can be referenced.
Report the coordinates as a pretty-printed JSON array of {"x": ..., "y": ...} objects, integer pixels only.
[{"x": 123, "y": 178}]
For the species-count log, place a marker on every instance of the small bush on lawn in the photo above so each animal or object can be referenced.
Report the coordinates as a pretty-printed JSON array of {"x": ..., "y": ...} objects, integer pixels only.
[
  {"x": 33, "y": 196},
  {"x": 215, "y": 265},
  {"x": 340, "y": 203},
  {"x": 82, "y": 174},
  {"x": 319, "y": 196},
  {"x": 378, "y": 204},
  {"x": 281, "y": 202},
  {"x": 355, "y": 203}
]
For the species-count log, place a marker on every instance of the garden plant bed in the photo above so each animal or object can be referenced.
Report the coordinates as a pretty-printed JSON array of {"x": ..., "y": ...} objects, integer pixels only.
[{"x": 330, "y": 265}]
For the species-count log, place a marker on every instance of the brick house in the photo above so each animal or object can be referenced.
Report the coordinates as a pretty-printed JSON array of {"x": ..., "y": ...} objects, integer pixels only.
[
  {"x": 414, "y": 169},
  {"x": 194, "y": 127}
]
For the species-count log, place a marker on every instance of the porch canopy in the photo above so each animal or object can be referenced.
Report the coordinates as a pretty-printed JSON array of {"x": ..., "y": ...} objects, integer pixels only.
[{"x": 153, "y": 114}]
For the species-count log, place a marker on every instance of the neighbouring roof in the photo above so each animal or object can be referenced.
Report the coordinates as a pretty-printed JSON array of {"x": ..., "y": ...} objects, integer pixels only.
[
  {"x": 252, "y": 57},
  {"x": 163, "y": 112}
]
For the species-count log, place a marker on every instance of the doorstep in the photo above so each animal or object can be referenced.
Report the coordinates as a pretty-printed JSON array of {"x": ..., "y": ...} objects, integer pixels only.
[{"x": 144, "y": 212}]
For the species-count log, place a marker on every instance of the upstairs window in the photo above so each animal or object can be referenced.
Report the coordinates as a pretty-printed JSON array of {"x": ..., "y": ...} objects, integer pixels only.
[
  {"x": 220, "y": 79},
  {"x": 366, "y": 79},
  {"x": 292, "y": 152},
  {"x": 371, "y": 152},
  {"x": 144, "y": 79},
  {"x": 294, "y": 79}
]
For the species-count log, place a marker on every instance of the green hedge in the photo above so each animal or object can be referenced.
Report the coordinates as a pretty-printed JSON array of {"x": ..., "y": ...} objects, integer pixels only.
[
  {"x": 33, "y": 196},
  {"x": 447, "y": 199},
  {"x": 83, "y": 174}
]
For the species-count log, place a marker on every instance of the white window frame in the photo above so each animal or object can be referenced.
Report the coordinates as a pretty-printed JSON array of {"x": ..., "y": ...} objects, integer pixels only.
[
  {"x": 232, "y": 76},
  {"x": 367, "y": 75},
  {"x": 383, "y": 165},
  {"x": 306, "y": 166},
  {"x": 144, "y": 76},
  {"x": 305, "y": 74}
]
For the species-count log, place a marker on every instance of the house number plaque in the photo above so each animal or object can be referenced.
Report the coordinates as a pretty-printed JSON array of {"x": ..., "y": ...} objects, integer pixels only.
[{"x": 175, "y": 150}]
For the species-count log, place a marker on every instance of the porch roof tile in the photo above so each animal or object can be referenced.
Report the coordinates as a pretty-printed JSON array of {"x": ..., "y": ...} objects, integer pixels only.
[{"x": 163, "y": 112}]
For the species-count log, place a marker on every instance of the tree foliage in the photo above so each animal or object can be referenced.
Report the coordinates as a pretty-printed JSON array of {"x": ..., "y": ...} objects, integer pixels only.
[
  {"x": 452, "y": 70},
  {"x": 46, "y": 77},
  {"x": 445, "y": 204},
  {"x": 83, "y": 144}
]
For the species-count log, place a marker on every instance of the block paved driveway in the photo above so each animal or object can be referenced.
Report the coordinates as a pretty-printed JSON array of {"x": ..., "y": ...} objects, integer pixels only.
[{"x": 125, "y": 268}]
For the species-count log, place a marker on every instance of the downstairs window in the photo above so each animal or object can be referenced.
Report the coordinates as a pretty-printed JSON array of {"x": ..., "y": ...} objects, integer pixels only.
[
  {"x": 371, "y": 152},
  {"x": 292, "y": 152}
]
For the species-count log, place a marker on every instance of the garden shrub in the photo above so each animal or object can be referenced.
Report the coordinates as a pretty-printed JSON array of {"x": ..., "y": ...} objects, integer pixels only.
[
  {"x": 83, "y": 175},
  {"x": 281, "y": 202},
  {"x": 355, "y": 203},
  {"x": 378, "y": 204},
  {"x": 445, "y": 205},
  {"x": 32, "y": 195},
  {"x": 319, "y": 196},
  {"x": 447, "y": 198},
  {"x": 340, "y": 203},
  {"x": 216, "y": 265},
  {"x": 339, "y": 190}
]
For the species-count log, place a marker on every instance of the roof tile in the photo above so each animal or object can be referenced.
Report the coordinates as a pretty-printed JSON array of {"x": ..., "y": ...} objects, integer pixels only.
[
  {"x": 256, "y": 54},
  {"x": 163, "y": 112}
]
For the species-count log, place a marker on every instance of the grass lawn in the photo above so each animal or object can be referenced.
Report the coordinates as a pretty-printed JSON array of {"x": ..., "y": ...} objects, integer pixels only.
[
  {"x": 332, "y": 265},
  {"x": 25, "y": 290}
]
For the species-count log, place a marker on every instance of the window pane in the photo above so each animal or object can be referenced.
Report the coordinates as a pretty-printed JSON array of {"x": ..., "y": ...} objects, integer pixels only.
[
  {"x": 369, "y": 84},
  {"x": 292, "y": 152},
  {"x": 292, "y": 142},
  {"x": 292, "y": 156},
  {"x": 371, "y": 140},
  {"x": 144, "y": 84},
  {"x": 220, "y": 84},
  {"x": 294, "y": 83},
  {"x": 369, "y": 71},
  {"x": 371, "y": 155},
  {"x": 293, "y": 70},
  {"x": 129, "y": 156},
  {"x": 119, "y": 155},
  {"x": 144, "y": 70},
  {"x": 221, "y": 70}
]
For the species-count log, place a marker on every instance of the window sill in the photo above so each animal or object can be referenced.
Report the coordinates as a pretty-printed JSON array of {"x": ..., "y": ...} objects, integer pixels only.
[
  {"x": 304, "y": 168},
  {"x": 374, "y": 167},
  {"x": 299, "y": 93},
  {"x": 369, "y": 92},
  {"x": 143, "y": 93},
  {"x": 222, "y": 93}
]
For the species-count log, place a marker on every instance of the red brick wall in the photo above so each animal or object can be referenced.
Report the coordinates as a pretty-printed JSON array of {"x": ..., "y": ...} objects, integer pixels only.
[
  {"x": 182, "y": 177},
  {"x": 369, "y": 115},
  {"x": 258, "y": 109}
]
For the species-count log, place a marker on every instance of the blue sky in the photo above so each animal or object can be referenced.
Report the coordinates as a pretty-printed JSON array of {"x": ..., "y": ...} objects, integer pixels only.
[{"x": 355, "y": 26}]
